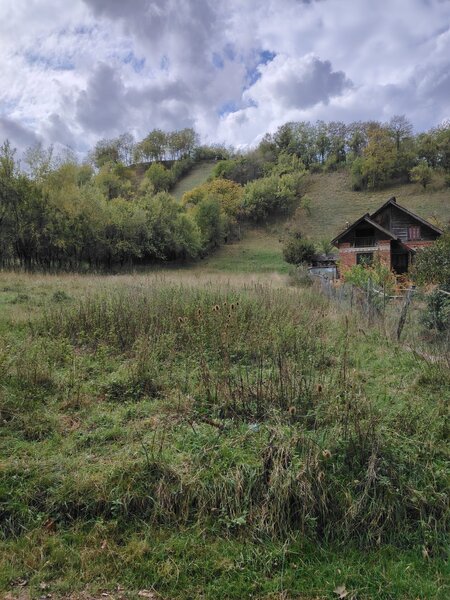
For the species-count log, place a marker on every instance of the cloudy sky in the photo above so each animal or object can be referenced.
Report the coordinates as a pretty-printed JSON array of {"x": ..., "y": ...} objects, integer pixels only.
[{"x": 73, "y": 72}]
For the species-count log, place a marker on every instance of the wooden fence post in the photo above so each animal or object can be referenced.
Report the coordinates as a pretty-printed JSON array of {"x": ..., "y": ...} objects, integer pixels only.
[{"x": 404, "y": 312}]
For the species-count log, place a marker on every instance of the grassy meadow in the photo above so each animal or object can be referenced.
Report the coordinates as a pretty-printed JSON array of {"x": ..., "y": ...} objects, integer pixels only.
[
  {"x": 259, "y": 251},
  {"x": 215, "y": 435}
]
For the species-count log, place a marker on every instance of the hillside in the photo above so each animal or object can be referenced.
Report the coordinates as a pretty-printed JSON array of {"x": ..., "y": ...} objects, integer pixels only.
[
  {"x": 198, "y": 175},
  {"x": 333, "y": 203},
  {"x": 259, "y": 251}
]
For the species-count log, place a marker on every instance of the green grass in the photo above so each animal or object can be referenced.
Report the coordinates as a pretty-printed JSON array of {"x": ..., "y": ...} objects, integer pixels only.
[
  {"x": 212, "y": 436},
  {"x": 198, "y": 175},
  {"x": 333, "y": 203},
  {"x": 259, "y": 251}
]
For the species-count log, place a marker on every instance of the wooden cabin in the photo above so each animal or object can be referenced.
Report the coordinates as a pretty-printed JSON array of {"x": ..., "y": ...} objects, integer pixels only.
[{"x": 392, "y": 231}]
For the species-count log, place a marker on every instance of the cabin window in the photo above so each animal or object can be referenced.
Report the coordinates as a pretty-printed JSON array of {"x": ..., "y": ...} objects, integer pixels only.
[
  {"x": 414, "y": 232},
  {"x": 364, "y": 258}
]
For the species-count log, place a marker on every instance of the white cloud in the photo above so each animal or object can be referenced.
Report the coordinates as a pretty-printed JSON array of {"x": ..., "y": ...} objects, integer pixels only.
[
  {"x": 298, "y": 82},
  {"x": 233, "y": 70}
]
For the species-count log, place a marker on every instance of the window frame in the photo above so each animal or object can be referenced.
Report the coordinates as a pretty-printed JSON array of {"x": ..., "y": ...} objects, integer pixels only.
[
  {"x": 414, "y": 233},
  {"x": 367, "y": 263}
]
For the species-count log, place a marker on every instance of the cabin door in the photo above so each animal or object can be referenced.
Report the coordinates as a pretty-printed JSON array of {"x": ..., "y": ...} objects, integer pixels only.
[{"x": 400, "y": 262}]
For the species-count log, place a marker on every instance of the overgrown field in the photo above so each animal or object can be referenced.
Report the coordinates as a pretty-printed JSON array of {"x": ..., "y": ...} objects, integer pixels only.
[{"x": 217, "y": 440}]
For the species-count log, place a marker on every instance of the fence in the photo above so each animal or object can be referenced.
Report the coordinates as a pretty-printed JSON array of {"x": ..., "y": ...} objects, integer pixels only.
[{"x": 400, "y": 316}]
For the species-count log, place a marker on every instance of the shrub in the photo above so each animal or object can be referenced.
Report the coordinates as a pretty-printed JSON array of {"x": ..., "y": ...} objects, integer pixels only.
[
  {"x": 180, "y": 168},
  {"x": 432, "y": 264},
  {"x": 160, "y": 177},
  {"x": 271, "y": 195},
  {"x": 376, "y": 274},
  {"x": 359, "y": 181},
  {"x": 437, "y": 313},
  {"x": 298, "y": 250},
  {"x": 211, "y": 222}
]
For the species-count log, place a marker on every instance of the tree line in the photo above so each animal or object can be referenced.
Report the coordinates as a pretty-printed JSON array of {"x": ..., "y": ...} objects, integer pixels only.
[
  {"x": 376, "y": 153},
  {"x": 156, "y": 146}
]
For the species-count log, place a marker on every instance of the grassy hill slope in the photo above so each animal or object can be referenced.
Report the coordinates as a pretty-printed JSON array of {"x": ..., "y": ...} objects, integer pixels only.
[
  {"x": 259, "y": 251},
  {"x": 198, "y": 175},
  {"x": 334, "y": 203}
]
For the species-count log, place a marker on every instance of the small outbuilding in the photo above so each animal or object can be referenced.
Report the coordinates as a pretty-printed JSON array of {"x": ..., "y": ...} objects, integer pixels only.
[{"x": 392, "y": 232}]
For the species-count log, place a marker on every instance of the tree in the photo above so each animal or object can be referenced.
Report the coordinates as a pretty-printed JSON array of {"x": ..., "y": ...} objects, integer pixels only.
[
  {"x": 443, "y": 145},
  {"x": 160, "y": 177},
  {"x": 172, "y": 233},
  {"x": 422, "y": 173},
  {"x": 152, "y": 147},
  {"x": 322, "y": 140},
  {"x": 400, "y": 129},
  {"x": 228, "y": 193},
  {"x": 105, "y": 151},
  {"x": 357, "y": 138},
  {"x": 241, "y": 169},
  {"x": 337, "y": 132},
  {"x": 211, "y": 223},
  {"x": 379, "y": 158},
  {"x": 39, "y": 161},
  {"x": 427, "y": 148},
  {"x": 125, "y": 144},
  {"x": 271, "y": 195}
]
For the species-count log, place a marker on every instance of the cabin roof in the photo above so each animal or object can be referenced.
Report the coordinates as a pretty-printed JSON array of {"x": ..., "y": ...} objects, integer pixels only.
[
  {"x": 393, "y": 202},
  {"x": 368, "y": 218}
]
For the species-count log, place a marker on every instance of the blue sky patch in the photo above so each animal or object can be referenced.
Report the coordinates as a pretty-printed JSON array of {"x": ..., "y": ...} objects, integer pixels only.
[
  {"x": 264, "y": 57},
  {"x": 227, "y": 108},
  {"x": 56, "y": 63},
  {"x": 217, "y": 61},
  {"x": 136, "y": 63}
]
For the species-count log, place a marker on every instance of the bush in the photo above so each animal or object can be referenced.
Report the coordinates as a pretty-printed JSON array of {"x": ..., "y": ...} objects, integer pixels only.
[
  {"x": 211, "y": 153},
  {"x": 422, "y": 173},
  {"x": 376, "y": 274},
  {"x": 180, "y": 168},
  {"x": 271, "y": 195},
  {"x": 359, "y": 181},
  {"x": 160, "y": 177},
  {"x": 298, "y": 250},
  {"x": 432, "y": 264},
  {"x": 437, "y": 313}
]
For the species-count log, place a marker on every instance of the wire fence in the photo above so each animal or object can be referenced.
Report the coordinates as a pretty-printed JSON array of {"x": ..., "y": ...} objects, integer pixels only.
[{"x": 400, "y": 316}]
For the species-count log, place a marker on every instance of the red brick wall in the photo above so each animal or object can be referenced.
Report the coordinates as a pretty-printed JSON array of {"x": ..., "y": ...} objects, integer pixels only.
[
  {"x": 346, "y": 259},
  {"x": 384, "y": 252},
  {"x": 347, "y": 254},
  {"x": 419, "y": 244}
]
